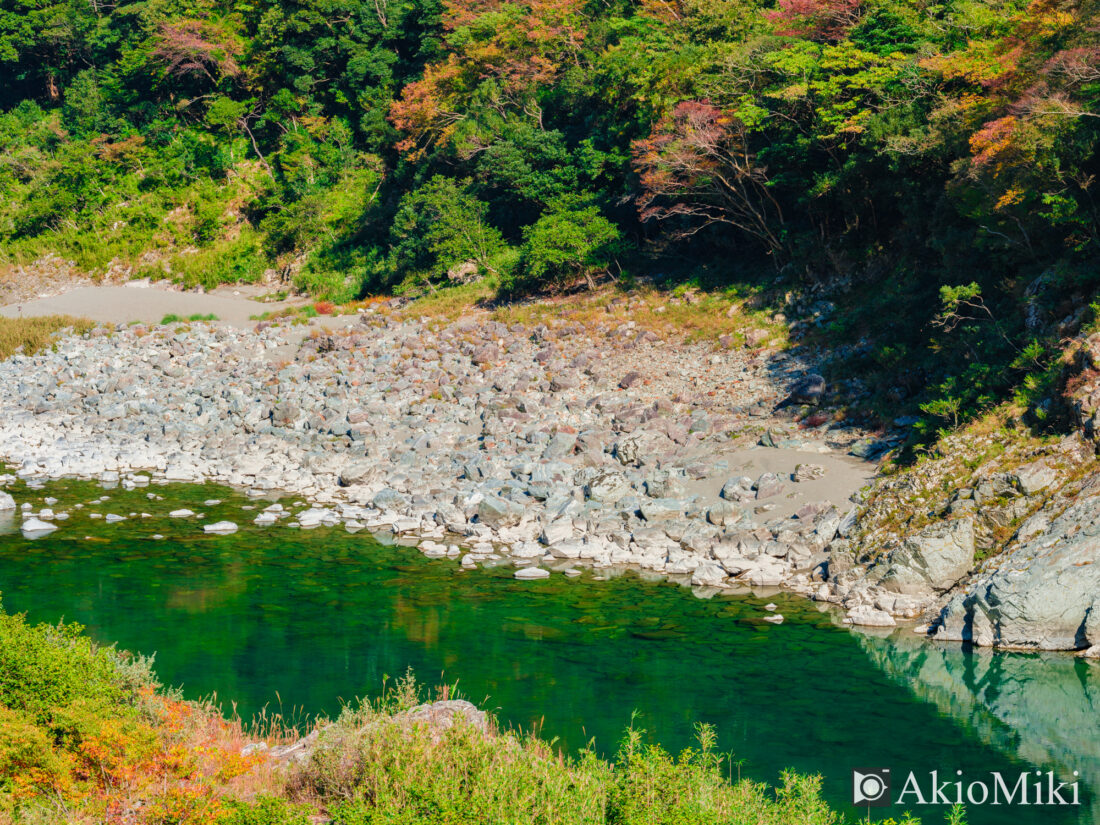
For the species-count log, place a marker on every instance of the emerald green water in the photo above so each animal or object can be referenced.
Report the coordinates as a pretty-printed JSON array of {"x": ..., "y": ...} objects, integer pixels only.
[{"x": 292, "y": 619}]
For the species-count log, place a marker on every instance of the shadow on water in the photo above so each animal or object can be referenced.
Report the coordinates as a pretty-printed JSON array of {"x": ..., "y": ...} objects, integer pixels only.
[{"x": 295, "y": 619}]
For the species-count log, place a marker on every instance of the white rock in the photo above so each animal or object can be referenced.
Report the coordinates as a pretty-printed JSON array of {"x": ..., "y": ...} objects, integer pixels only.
[
  {"x": 220, "y": 527},
  {"x": 111, "y": 518},
  {"x": 775, "y": 618},
  {"x": 709, "y": 573},
  {"x": 868, "y": 616},
  {"x": 33, "y": 528},
  {"x": 528, "y": 573},
  {"x": 184, "y": 513}
]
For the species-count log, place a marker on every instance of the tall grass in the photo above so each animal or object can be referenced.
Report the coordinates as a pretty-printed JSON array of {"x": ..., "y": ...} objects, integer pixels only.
[{"x": 28, "y": 335}]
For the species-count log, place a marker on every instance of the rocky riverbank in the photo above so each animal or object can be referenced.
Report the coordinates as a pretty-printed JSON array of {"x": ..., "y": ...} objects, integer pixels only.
[
  {"x": 560, "y": 444},
  {"x": 549, "y": 445},
  {"x": 993, "y": 539}
]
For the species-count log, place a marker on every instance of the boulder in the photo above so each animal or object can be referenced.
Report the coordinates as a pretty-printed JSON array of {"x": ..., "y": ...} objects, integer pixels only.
[
  {"x": 359, "y": 472},
  {"x": 445, "y": 714},
  {"x": 708, "y": 574},
  {"x": 486, "y": 354},
  {"x": 1045, "y": 594},
  {"x": 607, "y": 487},
  {"x": 807, "y": 472},
  {"x": 768, "y": 485},
  {"x": 933, "y": 560},
  {"x": 867, "y": 616},
  {"x": 560, "y": 529},
  {"x": 662, "y": 509},
  {"x": 499, "y": 512},
  {"x": 221, "y": 528},
  {"x": 724, "y": 514},
  {"x": 1034, "y": 477},
  {"x": 6, "y": 501},
  {"x": 809, "y": 389}
]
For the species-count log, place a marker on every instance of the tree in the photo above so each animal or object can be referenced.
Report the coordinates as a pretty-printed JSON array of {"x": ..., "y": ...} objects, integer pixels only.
[
  {"x": 569, "y": 241},
  {"x": 697, "y": 169},
  {"x": 439, "y": 227}
]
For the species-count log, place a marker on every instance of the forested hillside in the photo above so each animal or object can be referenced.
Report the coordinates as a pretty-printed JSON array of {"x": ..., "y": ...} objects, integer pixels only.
[{"x": 929, "y": 168}]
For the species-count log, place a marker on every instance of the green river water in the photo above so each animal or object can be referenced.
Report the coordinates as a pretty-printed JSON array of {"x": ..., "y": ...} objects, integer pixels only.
[{"x": 300, "y": 621}]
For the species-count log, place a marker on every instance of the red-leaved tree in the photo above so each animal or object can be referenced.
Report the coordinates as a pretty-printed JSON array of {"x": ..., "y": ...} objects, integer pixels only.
[
  {"x": 821, "y": 20},
  {"x": 197, "y": 47},
  {"x": 697, "y": 168}
]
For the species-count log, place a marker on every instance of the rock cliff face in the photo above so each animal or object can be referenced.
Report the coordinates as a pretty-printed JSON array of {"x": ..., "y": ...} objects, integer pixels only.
[
  {"x": 1029, "y": 505},
  {"x": 1045, "y": 594}
]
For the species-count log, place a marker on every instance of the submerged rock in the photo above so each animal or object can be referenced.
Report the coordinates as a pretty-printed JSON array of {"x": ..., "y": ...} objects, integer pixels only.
[{"x": 33, "y": 528}]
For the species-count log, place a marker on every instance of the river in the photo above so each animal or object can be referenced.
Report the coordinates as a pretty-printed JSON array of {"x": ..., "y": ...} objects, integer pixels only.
[{"x": 299, "y": 621}]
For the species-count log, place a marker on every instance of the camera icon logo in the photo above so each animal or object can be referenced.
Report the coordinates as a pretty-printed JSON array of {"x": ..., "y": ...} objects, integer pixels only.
[{"x": 871, "y": 787}]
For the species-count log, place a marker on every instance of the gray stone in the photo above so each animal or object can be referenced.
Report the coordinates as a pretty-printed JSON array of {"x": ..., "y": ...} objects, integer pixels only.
[
  {"x": 1034, "y": 477},
  {"x": 445, "y": 714},
  {"x": 6, "y": 501},
  {"x": 807, "y": 472},
  {"x": 1043, "y": 593},
  {"x": 499, "y": 512},
  {"x": 808, "y": 390},
  {"x": 933, "y": 560},
  {"x": 486, "y": 354},
  {"x": 662, "y": 509},
  {"x": 724, "y": 514},
  {"x": 558, "y": 530},
  {"x": 561, "y": 444},
  {"x": 607, "y": 487},
  {"x": 768, "y": 485}
]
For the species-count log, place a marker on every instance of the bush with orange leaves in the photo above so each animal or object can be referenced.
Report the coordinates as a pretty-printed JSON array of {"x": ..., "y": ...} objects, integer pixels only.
[{"x": 85, "y": 730}]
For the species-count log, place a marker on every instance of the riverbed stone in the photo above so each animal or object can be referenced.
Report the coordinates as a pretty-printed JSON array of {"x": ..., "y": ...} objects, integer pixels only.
[
  {"x": 531, "y": 573},
  {"x": 867, "y": 616}
]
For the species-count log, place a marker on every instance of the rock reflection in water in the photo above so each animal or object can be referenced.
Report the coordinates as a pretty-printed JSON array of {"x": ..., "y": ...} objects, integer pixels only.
[{"x": 1039, "y": 707}]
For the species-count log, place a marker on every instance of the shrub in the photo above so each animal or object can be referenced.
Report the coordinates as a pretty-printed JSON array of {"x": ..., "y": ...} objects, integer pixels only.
[
  {"x": 27, "y": 762},
  {"x": 567, "y": 242},
  {"x": 49, "y": 666},
  {"x": 440, "y": 226},
  {"x": 264, "y": 810}
]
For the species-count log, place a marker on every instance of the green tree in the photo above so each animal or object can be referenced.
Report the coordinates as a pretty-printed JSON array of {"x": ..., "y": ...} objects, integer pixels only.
[
  {"x": 441, "y": 226},
  {"x": 570, "y": 240}
]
